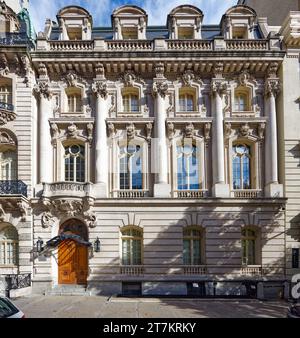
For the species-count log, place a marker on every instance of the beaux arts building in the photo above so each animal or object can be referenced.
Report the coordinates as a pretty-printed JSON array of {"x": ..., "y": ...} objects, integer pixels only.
[{"x": 145, "y": 159}]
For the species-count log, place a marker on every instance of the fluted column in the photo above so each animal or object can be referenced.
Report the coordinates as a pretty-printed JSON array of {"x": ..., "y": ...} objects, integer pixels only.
[
  {"x": 161, "y": 186},
  {"x": 272, "y": 188},
  {"x": 99, "y": 88},
  {"x": 220, "y": 188},
  {"x": 42, "y": 90}
]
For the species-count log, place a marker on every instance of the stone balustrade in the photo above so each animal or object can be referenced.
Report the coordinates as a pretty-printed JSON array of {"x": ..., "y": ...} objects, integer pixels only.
[
  {"x": 195, "y": 270},
  {"x": 153, "y": 45},
  {"x": 254, "y": 270},
  {"x": 67, "y": 189},
  {"x": 247, "y": 193},
  {"x": 131, "y": 193},
  {"x": 132, "y": 270},
  {"x": 190, "y": 193}
]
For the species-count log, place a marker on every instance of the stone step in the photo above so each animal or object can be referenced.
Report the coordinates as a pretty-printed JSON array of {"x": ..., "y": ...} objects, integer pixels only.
[{"x": 68, "y": 290}]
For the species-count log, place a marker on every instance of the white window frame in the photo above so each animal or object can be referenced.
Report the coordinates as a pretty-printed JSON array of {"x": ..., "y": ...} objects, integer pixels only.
[
  {"x": 191, "y": 238},
  {"x": 4, "y": 253},
  {"x": 130, "y": 238},
  {"x": 75, "y": 162}
]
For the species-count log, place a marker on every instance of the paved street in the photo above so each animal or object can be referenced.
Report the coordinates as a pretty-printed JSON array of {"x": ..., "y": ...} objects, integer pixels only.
[{"x": 101, "y": 307}]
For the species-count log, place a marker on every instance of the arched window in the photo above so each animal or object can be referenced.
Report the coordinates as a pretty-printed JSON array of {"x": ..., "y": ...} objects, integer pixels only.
[
  {"x": 132, "y": 239},
  {"x": 131, "y": 173},
  {"x": 74, "y": 163},
  {"x": 249, "y": 245},
  {"x": 74, "y": 100},
  {"x": 192, "y": 246},
  {"x": 187, "y": 100},
  {"x": 8, "y": 165},
  {"x": 241, "y": 167},
  {"x": 188, "y": 167},
  {"x": 131, "y": 100},
  {"x": 9, "y": 246}
]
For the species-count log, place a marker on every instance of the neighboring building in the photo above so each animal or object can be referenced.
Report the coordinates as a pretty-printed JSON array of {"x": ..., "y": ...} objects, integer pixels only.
[
  {"x": 158, "y": 146},
  {"x": 275, "y": 10}
]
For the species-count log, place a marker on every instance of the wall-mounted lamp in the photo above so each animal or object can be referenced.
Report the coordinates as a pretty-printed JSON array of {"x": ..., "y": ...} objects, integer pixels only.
[
  {"x": 39, "y": 245},
  {"x": 97, "y": 245}
]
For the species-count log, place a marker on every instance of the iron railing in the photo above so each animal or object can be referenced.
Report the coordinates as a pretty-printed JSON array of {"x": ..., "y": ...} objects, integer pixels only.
[
  {"x": 10, "y": 39},
  {"x": 6, "y": 106},
  {"x": 16, "y": 187},
  {"x": 19, "y": 281}
]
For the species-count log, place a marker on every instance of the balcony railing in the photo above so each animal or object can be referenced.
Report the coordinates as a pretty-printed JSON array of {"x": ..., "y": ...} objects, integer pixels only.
[
  {"x": 190, "y": 193},
  {"x": 6, "y": 106},
  {"x": 15, "y": 187},
  {"x": 189, "y": 45},
  {"x": 195, "y": 270},
  {"x": 130, "y": 193},
  {"x": 132, "y": 270},
  {"x": 252, "y": 270},
  {"x": 247, "y": 193},
  {"x": 67, "y": 188},
  {"x": 129, "y": 45},
  {"x": 10, "y": 39},
  {"x": 247, "y": 45},
  {"x": 71, "y": 45}
]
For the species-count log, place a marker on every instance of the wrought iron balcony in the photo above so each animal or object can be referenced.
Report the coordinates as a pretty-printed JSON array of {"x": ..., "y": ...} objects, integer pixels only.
[
  {"x": 6, "y": 106},
  {"x": 11, "y": 39},
  {"x": 15, "y": 187}
]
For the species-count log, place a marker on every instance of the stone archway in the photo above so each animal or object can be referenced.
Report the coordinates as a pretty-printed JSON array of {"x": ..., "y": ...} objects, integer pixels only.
[{"x": 72, "y": 256}]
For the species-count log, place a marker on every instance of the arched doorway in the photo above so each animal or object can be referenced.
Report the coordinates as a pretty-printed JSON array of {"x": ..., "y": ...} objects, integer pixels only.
[{"x": 72, "y": 256}]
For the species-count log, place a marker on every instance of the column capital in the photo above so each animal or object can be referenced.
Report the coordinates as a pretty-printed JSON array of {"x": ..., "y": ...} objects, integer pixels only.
[
  {"x": 99, "y": 88},
  {"x": 160, "y": 88},
  {"x": 42, "y": 88},
  {"x": 219, "y": 86},
  {"x": 272, "y": 86}
]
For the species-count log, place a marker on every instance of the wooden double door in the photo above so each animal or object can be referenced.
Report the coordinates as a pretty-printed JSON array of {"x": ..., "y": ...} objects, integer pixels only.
[{"x": 72, "y": 256}]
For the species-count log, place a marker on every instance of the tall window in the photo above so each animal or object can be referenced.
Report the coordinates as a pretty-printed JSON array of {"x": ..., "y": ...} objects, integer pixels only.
[
  {"x": 187, "y": 167},
  {"x": 192, "y": 246},
  {"x": 249, "y": 238},
  {"x": 241, "y": 165},
  {"x": 132, "y": 240},
  {"x": 186, "y": 102},
  {"x": 131, "y": 101},
  {"x": 74, "y": 163},
  {"x": 9, "y": 246},
  {"x": 74, "y": 100},
  {"x": 8, "y": 166},
  {"x": 131, "y": 173},
  {"x": 5, "y": 94},
  {"x": 240, "y": 102}
]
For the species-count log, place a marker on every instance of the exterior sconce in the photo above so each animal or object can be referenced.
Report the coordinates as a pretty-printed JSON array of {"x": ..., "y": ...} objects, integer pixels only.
[
  {"x": 97, "y": 245},
  {"x": 39, "y": 245}
]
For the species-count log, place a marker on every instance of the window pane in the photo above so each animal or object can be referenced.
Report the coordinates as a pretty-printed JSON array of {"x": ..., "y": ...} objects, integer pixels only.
[
  {"x": 2, "y": 253},
  {"x": 186, "y": 252},
  {"x": 134, "y": 103},
  {"x": 126, "y": 103},
  {"x": 137, "y": 252},
  {"x": 190, "y": 103},
  {"x": 181, "y": 103},
  {"x": 196, "y": 252},
  {"x": 246, "y": 172},
  {"x": 137, "y": 176},
  {"x": 125, "y": 252},
  {"x": 236, "y": 173}
]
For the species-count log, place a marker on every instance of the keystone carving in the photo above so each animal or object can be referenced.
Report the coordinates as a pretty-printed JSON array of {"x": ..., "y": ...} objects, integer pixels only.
[
  {"x": 187, "y": 78},
  {"x": 244, "y": 130},
  {"x": 130, "y": 130},
  {"x": 189, "y": 130},
  {"x": 72, "y": 130}
]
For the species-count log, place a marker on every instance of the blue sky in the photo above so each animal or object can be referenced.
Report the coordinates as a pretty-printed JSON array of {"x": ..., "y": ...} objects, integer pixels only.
[{"x": 101, "y": 10}]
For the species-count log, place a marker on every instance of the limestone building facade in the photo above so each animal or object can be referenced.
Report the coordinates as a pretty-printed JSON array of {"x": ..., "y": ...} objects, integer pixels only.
[{"x": 146, "y": 160}]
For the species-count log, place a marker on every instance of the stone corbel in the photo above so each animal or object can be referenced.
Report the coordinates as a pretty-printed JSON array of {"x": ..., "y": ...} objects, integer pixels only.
[
  {"x": 261, "y": 130},
  {"x": 26, "y": 66},
  {"x": 23, "y": 210},
  {"x": 72, "y": 131},
  {"x": 207, "y": 131},
  {"x": 47, "y": 219},
  {"x": 227, "y": 130},
  {"x": 273, "y": 69},
  {"x": 187, "y": 78},
  {"x": 148, "y": 128},
  {"x": 89, "y": 129},
  {"x": 245, "y": 130},
  {"x": 170, "y": 130},
  {"x": 4, "y": 67},
  {"x": 243, "y": 78},
  {"x": 90, "y": 219}
]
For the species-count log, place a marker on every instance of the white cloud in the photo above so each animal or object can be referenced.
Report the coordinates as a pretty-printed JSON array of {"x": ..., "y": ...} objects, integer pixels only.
[{"x": 101, "y": 10}]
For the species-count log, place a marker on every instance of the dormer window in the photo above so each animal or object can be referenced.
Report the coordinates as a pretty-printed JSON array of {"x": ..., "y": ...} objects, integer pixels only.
[
  {"x": 130, "y": 33},
  {"x": 185, "y": 33}
]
